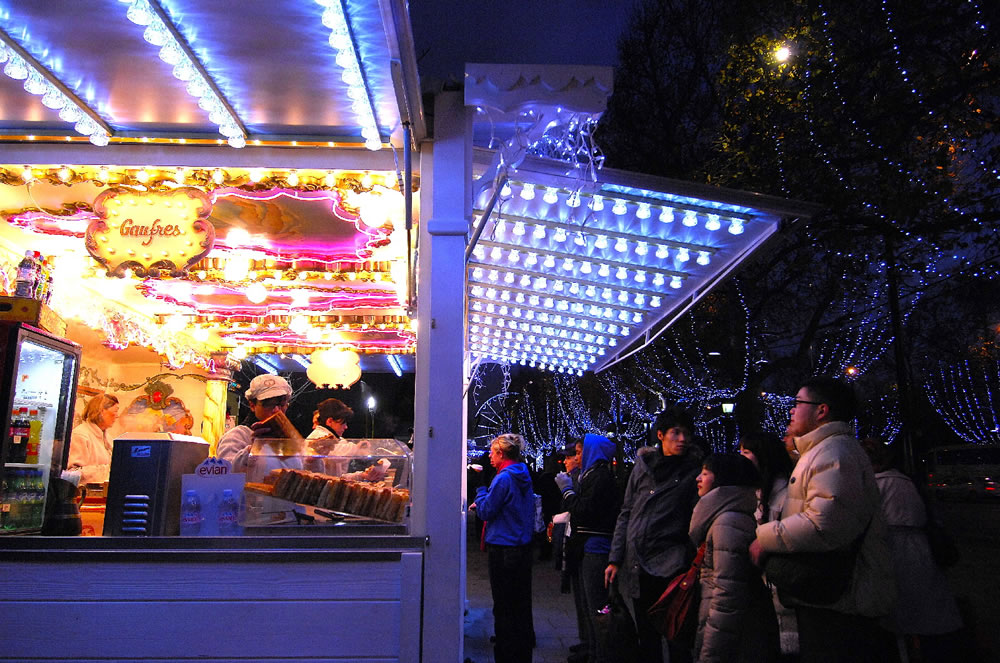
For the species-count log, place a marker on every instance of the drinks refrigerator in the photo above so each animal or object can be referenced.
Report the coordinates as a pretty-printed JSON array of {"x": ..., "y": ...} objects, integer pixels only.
[{"x": 38, "y": 375}]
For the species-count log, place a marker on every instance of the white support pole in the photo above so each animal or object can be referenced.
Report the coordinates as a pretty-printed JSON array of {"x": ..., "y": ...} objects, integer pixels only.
[{"x": 440, "y": 413}]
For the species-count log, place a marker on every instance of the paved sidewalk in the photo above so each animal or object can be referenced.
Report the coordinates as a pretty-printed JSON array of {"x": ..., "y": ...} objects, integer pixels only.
[{"x": 554, "y": 614}]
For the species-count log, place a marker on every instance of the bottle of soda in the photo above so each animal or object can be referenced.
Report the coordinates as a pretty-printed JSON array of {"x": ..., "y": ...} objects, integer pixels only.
[
  {"x": 19, "y": 430},
  {"x": 24, "y": 285},
  {"x": 191, "y": 514},
  {"x": 229, "y": 514},
  {"x": 34, "y": 437}
]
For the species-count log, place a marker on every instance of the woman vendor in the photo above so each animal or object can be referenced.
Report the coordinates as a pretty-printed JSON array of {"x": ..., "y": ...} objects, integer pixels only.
[{"x": 89, "y": 446}]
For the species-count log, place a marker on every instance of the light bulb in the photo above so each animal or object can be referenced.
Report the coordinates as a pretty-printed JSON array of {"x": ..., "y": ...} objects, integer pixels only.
[
  {"x": 622, "y": 296},
  {"x": 573, "y": 200},
  {"x": 683, "y": 255},
  {"x": 703, "y": 258},
  {"x": 640, "y": 276},
  {"x": 531, "y": 260},
  {"x": 513, "y": 256},
  {"x": 621, "y": 245},
  {"x": 549, "y": 261},
  {"x": 641, "y": 248},
  {"x": 519, "y": 228},
  {"x": 528, "y": 191},
  {"x": 601, "y": 242},
  {"x": 622, "y": 273},
  {"x": 495, "y": 253},
  {"x": 585, "y": 267},
  {"x": 597, "y": 203},
  {"x": 643, "y": 212},
  {"x": 667, "y": 215},
  {"x": 604, "y": 270},
  {"x": 606, "y": 293},
  {"x": 736, "y": 227},
  {"x": 580, "y": 239},
  {"x": 712, "y": 222},
  {"x": 675, "y": 282},
  {"x": 539, "y": 232},
  {"x": 256, "y": 293},
  {"x": 619, "y": 207},
  {"x": 567, "y": 264},
  {"x": 560, "y": 235},
  {"x": 505, "y": 190},
  {"x": 662, "y": 252},
  {"x": 658, "y": 279},
  {"x": 550, "y": 196},
  {"x": 690, "y": 218}
]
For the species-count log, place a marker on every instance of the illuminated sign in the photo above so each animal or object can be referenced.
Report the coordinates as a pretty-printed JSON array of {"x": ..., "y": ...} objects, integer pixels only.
[{"x": 150, "y": 232}]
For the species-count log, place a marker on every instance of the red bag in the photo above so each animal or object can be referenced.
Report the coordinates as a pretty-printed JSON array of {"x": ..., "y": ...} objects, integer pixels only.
[{"x": 675, "y": 613}]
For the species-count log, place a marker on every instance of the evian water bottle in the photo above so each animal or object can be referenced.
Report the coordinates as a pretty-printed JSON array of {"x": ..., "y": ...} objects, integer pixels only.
[
  {"x": 229, "y": 513},
  {"x": 191, "y": 514}
]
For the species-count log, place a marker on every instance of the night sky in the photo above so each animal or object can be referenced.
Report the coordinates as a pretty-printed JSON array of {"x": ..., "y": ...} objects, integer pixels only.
[{"x": 449, "y": 33}]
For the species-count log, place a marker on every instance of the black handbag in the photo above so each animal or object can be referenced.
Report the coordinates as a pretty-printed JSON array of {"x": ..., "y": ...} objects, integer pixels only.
[
  {"x": 615, "y": 631},
  {"x": 819, "y": 578}
]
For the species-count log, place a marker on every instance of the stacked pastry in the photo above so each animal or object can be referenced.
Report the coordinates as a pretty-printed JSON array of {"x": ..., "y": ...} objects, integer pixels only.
[{"x": 337, "y": 494}]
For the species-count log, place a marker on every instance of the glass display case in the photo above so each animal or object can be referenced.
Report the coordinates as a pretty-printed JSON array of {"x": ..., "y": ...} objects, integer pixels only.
[{"x": 327, "y": 481}]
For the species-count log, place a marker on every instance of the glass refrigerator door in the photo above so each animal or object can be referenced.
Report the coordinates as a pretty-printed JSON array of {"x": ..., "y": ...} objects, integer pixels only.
[{"x": 43, "y": 382}]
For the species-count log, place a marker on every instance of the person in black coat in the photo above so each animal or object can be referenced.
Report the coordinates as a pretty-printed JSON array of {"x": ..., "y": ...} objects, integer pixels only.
[{"x": 593, "y": 513}]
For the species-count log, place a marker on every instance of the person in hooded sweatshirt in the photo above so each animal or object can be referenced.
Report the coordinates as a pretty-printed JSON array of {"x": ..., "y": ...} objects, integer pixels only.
[
  {"x": 650, "y": 545},
  {"x": 508, "y": 507},
  {"x": 593, "y": 512},
  {"x": 736, "y": 620}
]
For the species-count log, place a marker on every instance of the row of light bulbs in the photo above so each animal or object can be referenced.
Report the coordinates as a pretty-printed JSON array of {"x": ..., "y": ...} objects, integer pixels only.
[
  {"x": 598, "y": 312},
  {"x": 590, "y": 291},
  {"x": 601, "y": 241},
  {"x": 570, "y": 351},
  {"x": 535, "y": 353},
  {"x": 35, "y": 82},
  {"x": 186, "y": 70},
  {"x": 524, "y": 360},
  {"x": 569, "y": 265},
  {"x": 581, "y": 329},
  {"x": 352, "y": 74},
  {"x": 619, "y": 206},
  {"x": 545, "y": 344},
  {"x": 566, "y": 328}
]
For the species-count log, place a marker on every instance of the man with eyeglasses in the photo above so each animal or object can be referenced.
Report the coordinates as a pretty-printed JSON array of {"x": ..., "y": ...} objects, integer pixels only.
[
  {"x": 266, "y": 395},
  {"x": 833, "y": 504}
]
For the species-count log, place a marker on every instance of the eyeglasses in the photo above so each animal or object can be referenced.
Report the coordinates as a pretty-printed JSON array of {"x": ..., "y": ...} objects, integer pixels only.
[{"x": 801, "y": 402}]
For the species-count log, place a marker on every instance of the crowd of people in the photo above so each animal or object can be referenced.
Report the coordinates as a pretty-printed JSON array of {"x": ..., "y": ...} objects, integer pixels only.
[{"x": 820, "y": 503}]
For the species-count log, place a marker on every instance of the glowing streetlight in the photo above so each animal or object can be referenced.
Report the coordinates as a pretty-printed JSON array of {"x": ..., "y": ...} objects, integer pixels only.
[{"x": 782, "y": 53}]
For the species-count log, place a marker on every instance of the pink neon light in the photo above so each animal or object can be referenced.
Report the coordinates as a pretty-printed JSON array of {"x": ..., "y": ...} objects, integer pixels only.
[
  {"x": 43, "y": 223},
  {"x": 386, "y": 339},
  {"x": 223, "y": 299},
  {"x": 289, "y": 235}
]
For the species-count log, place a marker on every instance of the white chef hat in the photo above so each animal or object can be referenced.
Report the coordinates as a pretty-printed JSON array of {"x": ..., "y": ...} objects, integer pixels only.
[{"x": 268, "y": 386}]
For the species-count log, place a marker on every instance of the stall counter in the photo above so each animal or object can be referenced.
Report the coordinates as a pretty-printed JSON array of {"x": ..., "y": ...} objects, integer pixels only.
[{"x": 252, "y": 598}]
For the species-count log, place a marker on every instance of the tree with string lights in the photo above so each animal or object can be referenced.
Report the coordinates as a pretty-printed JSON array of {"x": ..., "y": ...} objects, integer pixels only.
[{"x": 883, "y": 112}]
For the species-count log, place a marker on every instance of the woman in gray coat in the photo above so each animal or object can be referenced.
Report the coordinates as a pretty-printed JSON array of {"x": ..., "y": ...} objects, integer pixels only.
[{"x": 736, "y": 620}]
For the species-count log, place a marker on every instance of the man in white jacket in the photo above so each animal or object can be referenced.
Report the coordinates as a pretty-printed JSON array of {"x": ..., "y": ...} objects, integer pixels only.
[{"x": 833, "y": 502}]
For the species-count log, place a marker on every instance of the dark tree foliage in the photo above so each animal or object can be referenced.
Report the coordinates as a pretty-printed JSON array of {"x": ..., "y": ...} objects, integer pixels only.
[{"x": 884, "y": 113}]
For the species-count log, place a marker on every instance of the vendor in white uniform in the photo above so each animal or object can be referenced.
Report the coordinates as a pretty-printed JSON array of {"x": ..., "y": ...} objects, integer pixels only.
[
  {"x": 89, "y": 446},
  {"x": 266, "y": 395}
]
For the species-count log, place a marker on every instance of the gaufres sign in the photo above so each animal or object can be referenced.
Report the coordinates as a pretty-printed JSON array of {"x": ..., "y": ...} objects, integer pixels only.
[{"x": 150, "y": 232}]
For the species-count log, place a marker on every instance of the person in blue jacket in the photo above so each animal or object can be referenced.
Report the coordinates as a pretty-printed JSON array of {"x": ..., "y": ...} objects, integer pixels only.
[
  {"x": 508, "y": 507},
  {"x": 593, "y": 506}
]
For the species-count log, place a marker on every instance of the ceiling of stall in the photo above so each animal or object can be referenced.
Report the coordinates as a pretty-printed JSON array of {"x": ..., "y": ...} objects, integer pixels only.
[
  {"x": 277, "y": 68},
  {"x": 572, "y": 273}
]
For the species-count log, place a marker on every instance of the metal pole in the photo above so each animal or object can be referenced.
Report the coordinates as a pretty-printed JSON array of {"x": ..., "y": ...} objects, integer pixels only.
[{"x": 486, "y": 215}]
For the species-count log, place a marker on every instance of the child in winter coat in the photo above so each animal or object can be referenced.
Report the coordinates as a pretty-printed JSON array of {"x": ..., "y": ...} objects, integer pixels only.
[{"x": 736, "y": 620}]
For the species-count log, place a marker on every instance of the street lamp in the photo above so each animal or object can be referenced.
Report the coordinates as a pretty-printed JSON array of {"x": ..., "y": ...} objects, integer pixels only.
[{"x": 371, "y": 416}]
